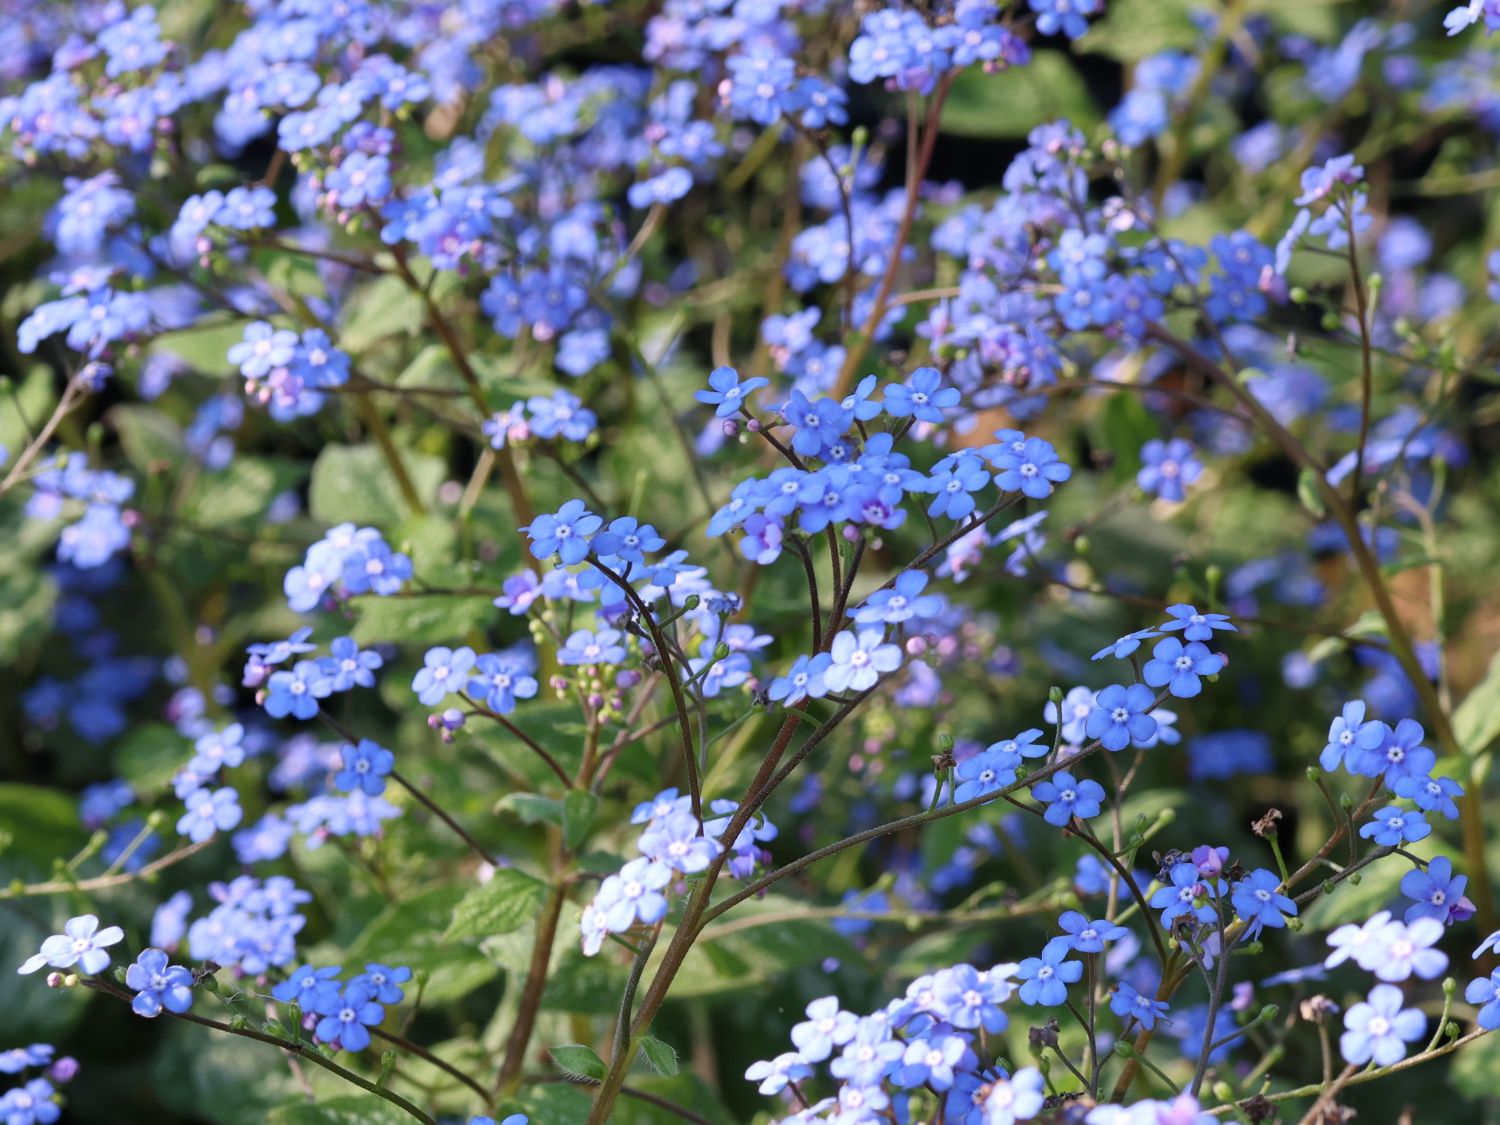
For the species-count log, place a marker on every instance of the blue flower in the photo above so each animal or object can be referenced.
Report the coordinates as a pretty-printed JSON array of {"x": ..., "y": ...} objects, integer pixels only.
[
  {"x": 803, "y": 680},
  {"x": 309, "y": 987},
  {"x": 586, "y": 647},
  {"x": 679, "y": 843},
  {"x": 346, "y": 1017},
  {"x": 922, "y": 396},
  {"x": 1066, "y": 797},
  {"x": 1378, "y": 1030},
  {"x": 988, "y": 771},
  {"x": 1125, "y": 645},
  {"x": 1258, "y": 900},
  {"x": 1085, "y": 936},
  {"x": 1393, "y": 826},
  {"x": 869, "y": 1056},
  {"x": 1437, "y": 892},
  {"x": 297, "y": 692},
  {"x": 827, "y": 1026},
  {"x": 1484, "y": 992},
  {"x": 1180, "y": 896},
  {"x": 1431, "y": 794},
  {"x": 442, "y": 673},
  {"x": 953, "y": 487},
  {"x": 81, "y": 943},
  {"x": 858, "y": 661},
  {"x": 1196, "y": 626},
  {"x": 628, "y": 539},
  {"x": 500, "y": 680},
  {"x": 1177, "y": 666},
  {"x": 564, "y": 534},
  {"x": 634, "y": 894},
  {"x": 158, "y": 985},
  {"x": 1032, "y": 470},
  {"x": 247, "y": 208},
  {"x": 364, "y": 767},
  {"x": 1046, "y": 978},
  {"x": 1020, "y": 1097},
  {"x": 1129, "y": 1005},
  {"x": 34, "y": 1103},
  {"x": 931, "y": 1061},
  {"x": 384, "y": 982},
  {"x": 902, "y": 602},
  {"x": 728, "y": 394},
  {"x": 1400, "y": 754},
  {"x": 774, "y": 1075},
  {"x": 1121, "y": 716},
  {"x": 262, "y": 349},
  {"x": 351, "y": 666},
  {"x": 217, "y": 749},
  {"x": 209, "y": 812}
]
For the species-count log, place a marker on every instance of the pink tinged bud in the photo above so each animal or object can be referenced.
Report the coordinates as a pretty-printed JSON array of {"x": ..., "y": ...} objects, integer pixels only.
[
  {"x": 851, "y": 533},
  {"x": 434, "y": 721},
  {"x": 54, "y": 980},
  {"x": 627, "y": 679},
  {"x": 260, "y": 698},
  {"x": 64, "y": 1069},
  {"x": 731, "y": 427},
  {"x": 916, "y": 646},
  {"x": 453, "y": 719},
  {"x": 753, "y": 425},
  {"x": 596, "y": 700}
]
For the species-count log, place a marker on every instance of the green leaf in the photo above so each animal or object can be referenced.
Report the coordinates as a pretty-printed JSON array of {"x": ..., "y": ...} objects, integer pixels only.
[
  {"x": 661, "y": 1057},
  {"x": 532, "y": 808},
  {"x": 354, "y": 483},
  {"x": 149, "y": 756},
  {"x": 36, "y": 826},
  {"x": 363, "y": 1109},
  {"x": 579, "y": 1061},
  {"x": 1012, "y": 102},
  {"x": 1308, "y": 494},
  {"x": 505, "y": 903},
  {"x": 1476, "y": 722},
  {"x": 1474, "y": 1070},
  {"x": 1133, "y": 29},
  {"x": 427, "y": 620},
  {"x": 241, "y": 493},
  {"x": 579, "y": 807},
  {"x": 1124, "y": 426},
  {"x": 36, "y": 398},
  {"x": 205, "y": 348},
  {"x": 383, "y": 308},
  {"x": 151, "y": 440}
]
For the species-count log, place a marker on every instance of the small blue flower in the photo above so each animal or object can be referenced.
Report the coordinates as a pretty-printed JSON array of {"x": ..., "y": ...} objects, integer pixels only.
[
  {"x": 209, "y": 812},
  {"x": 859, "y": 661},
  {"x": 1196, "y": 626},
  {"x": 262, "y": 349},
  {"x": 218, "y": 749},
  {"x": 309, "y": 987},
  {"x": 1121, "y": 715},
  {"x": 1046, "y": 978},
  {"x": 1031, "y": 471},
  {"x": 634, "y": 894},
  {"x": 1437, "y": 892},
  {"x": 350, "y": 666},
  {"x": 1125, "y": 645},
  {"x": 1393, "y": 826},
  {"x": 728, "y": 394},
  {"x": 1129, "y": 1005},
  {"x": 1168, "y": 469},
  {"x": 384, "y": 982},
  {"x": 346, "y": 1017},
  {"x": 1484, "y": 993},
  {"x": 81, "y": 943},
  {"x": 564, "y": 534},
  {"x": 922, "y": 396},
  {"x": 442, "y": 673},
  {"x": 1180, "y": 896},
  {"x": 587, "y": 647},
  {"x": 953, "y": 487},
  {"x": 1178, "y": 667},
  {"x": 988, "y": 771},
  {"x": 1258, "y": 900},
  {"x": 1348, "y": 735},
  {"x": 1085, "y": 936},
  {"x": 297, "y": 692},
  {"x": 628, "y": 539},
  {"x": 900, "y": 603},
  {"x": 500, "y": 679},
  {"x": 1378, "y": 1030},
  {"x": 1066, "y": 797},
  {"x": 364, "y": 768},
  {"x": 1431, "y": 794},
  {"x": 803, "y": 680},
  {"x": 158, "y": 985}
]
